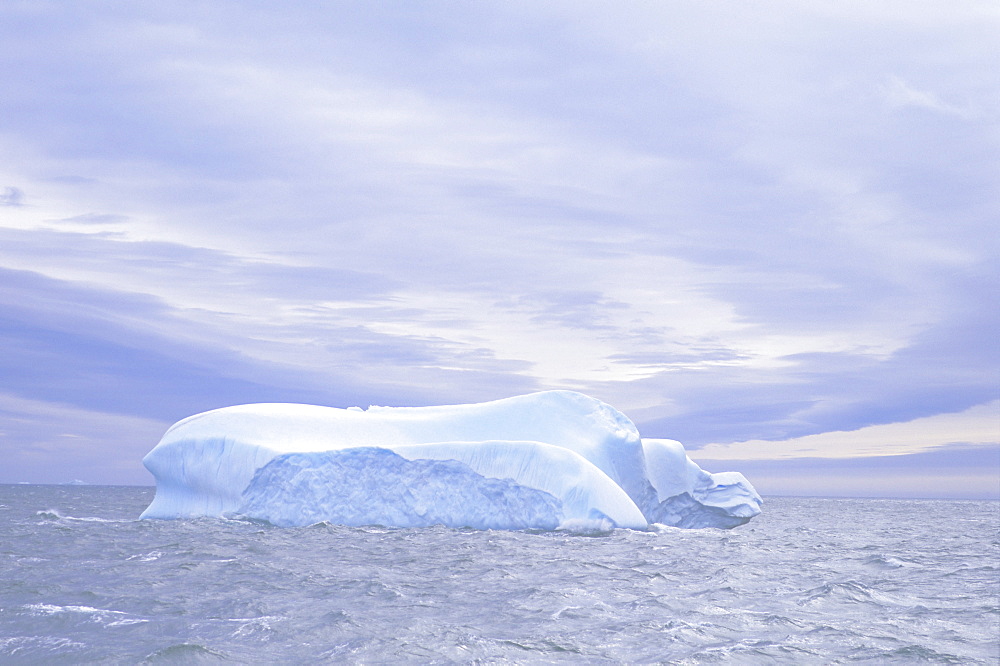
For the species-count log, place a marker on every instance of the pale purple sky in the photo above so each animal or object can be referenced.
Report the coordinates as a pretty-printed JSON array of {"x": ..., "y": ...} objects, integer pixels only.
[{"x": 768, "y": 230}]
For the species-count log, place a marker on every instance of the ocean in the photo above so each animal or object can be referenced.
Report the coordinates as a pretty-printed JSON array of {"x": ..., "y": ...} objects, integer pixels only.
[{"x": 811, "y": 581}]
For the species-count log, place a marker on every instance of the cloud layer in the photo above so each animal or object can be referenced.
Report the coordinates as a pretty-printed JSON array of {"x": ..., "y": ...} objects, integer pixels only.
[{"x": 734, "y": 223}]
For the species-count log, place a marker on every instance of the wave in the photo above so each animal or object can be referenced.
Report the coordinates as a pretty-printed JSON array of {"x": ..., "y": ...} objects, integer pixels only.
[
  {"x": 104, "y": 616},
  {"x": 890, "y": 562},
  {"x": 803, "y": 584},
  {"x": 184, "y": 653},
  {"x": 54, "y": 514}
]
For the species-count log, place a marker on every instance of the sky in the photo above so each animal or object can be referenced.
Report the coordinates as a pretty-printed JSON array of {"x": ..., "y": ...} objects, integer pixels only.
[{"x": 765, "y": 229}]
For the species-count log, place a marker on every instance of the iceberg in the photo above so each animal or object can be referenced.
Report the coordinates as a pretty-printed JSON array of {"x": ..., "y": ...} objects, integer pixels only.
[{"x": 548, "y": 460}]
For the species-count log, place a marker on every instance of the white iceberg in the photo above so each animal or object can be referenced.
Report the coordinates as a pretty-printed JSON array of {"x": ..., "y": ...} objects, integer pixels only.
[{"x": 539, "y": 461}]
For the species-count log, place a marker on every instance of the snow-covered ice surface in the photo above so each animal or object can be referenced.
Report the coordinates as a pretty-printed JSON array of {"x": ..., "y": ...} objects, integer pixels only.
[{"x": 539, "y": 461}]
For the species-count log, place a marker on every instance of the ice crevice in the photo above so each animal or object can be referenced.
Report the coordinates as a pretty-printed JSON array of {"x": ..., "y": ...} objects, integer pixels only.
[{"x": 539, "y": 461}]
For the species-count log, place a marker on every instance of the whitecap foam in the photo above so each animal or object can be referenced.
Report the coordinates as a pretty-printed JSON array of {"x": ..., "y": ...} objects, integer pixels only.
[{"x": 54, "y": 514}]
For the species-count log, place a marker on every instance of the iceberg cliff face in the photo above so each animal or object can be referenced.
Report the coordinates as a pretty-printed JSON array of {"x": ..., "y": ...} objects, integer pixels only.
[
  {"x": 368, "y": 486},
  {"x": 537, "y": 461}
]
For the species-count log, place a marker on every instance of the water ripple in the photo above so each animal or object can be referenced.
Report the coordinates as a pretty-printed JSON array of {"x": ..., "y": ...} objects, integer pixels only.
[{"x": 810, "y": 581}]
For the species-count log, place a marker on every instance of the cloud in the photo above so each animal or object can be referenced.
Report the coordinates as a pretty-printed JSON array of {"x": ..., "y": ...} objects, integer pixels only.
[
  {"x": 113, "y": 351},
  {"x": 979, "y": 425},
  {"x": 954, "y": 472},
  {"x": 177, "y": 271},
  {"x": 45, "y": 442},
  {"x": 12, "y": 196},
  {"x": 901, "y": 95},
  {"x": 94, "y": 219},
  {"x": 735, "y": 224}
]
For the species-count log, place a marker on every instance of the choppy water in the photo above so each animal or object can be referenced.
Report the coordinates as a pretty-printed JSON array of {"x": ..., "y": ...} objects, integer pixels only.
[{"x": 810, "y": 581}]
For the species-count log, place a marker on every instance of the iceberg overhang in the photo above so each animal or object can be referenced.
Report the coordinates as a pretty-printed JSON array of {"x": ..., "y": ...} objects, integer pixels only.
[{"x": 538, "y": 461}]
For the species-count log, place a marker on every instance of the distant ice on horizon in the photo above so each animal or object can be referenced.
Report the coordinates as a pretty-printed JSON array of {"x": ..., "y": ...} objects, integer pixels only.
[{"x": 548, "y": 460}]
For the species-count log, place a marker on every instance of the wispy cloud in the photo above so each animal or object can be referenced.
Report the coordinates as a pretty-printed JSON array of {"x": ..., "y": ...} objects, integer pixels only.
[
  {"x": 89, "y": 219},
  {"x": 960, "y": 472},
  {"x": 979, "y": 425},
  {"x": 12, "y": 196},
  {"x": 900, "y": 94},
  {"x": 46, "y": 442}
]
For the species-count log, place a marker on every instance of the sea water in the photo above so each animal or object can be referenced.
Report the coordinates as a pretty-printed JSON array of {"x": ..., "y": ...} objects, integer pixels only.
[{"x": 82, "y": 580}]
